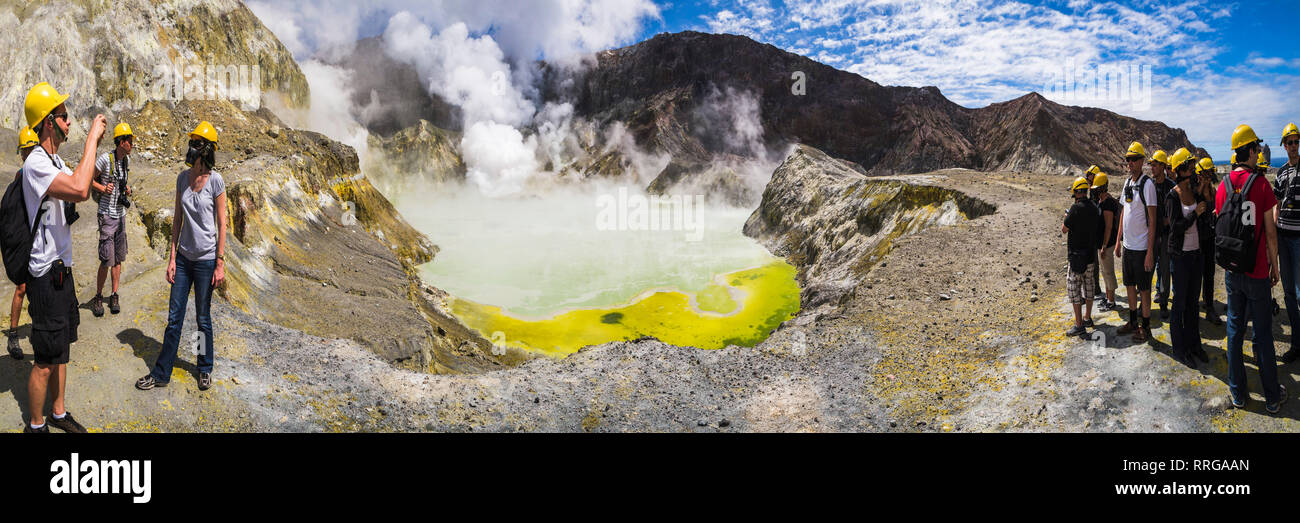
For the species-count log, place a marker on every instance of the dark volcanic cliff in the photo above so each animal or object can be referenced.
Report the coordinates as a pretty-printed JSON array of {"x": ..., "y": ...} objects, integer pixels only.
[{"x": 656, "y": 86}]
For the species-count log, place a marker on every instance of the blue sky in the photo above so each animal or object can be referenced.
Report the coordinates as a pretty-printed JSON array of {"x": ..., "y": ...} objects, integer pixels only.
[{"x": 1214, "y": 65}]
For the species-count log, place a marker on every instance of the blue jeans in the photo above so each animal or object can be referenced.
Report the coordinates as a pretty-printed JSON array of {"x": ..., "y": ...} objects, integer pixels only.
[
  {"x": 1184, "y": 331},
  {"x": 198, "y": 273},
  {"x": 1253, "y": 296},
  {"x": 1288, "y": 250}
]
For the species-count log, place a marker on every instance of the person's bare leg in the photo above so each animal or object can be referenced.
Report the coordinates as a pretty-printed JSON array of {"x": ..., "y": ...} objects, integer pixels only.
[
  {"x": 117, "y": 276},
  {"x": 1078, "y": 321},
  {"x": 99, "y": 279},
  {"x": 16, "y": 309},
  {"x": 1146, "y": 304},
  {"x": 1087, "y": 309},
  {"x": 1132, "y": 298},
  {"x": 58, "y": 379},
  {"x": 36, "y": 388}
]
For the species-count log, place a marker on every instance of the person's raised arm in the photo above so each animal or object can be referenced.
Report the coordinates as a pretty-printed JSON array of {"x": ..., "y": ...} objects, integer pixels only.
[{"x": 76, "y": 188}]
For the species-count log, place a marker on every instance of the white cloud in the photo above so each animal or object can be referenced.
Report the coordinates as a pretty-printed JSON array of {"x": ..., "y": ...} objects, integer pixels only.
[{"x": 983, "y": 51}]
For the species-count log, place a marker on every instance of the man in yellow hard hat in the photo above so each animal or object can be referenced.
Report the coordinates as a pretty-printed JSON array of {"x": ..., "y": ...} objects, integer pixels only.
[
  {"x": 1207, "y": 180},
  {"x": 1083, "y": 235},
  {"x": 1160, "y": 175},
  {"x": 49, "y": 190},
  {"x": 1246, "y": 237},
  {"x": 110, "y": 183},
  {"x": 1110, "y": 210},
  {"x": 1136, "y": 250},
  {"x": 27, "y": 141},
  {"x": 1287, "y": 190}
]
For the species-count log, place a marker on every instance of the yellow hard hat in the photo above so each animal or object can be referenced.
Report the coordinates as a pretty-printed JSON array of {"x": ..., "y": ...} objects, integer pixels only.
[
  {"x": 27, "y": 139},
  {"x": 1263, "y": 162},
  {"x": 1094, "y": 170},
  {"x": 1136, "y": 149},
  {"x": 1100, "y": 180},
  {"x": 1290, "y": 130},
  {"x": 1080, "y": 184},
  {"x": 1206, "y": 164},
  {"x": 1160, "y": 157},
  {"x": 1243, "y": 136},
  {"x": 122, "y": 129},
  {"x": 41, "y": 100},
  {"x": 205, "y": 131},
  {"x": 1181, "y": 156}
]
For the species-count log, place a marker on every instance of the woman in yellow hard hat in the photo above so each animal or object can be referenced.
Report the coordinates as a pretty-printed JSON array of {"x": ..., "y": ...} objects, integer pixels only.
[
  {"x": 1287, "y": 190},
  {"x": 27, "y": 141},
  {"x": 1184, "y": 207},
  {"x": 1110, "y": 210},
  {"x": 197, "y": 255},
  {"x": 1250, "y": 287},
  {"x": 1207, "y": 179}
]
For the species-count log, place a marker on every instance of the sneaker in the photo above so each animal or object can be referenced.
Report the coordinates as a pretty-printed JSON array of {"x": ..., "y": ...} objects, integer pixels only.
[
  {"x": 67, "y": 424},
  {"x": 113, "y": 305},
  {"x": 1237, "y": 404},
  {"x": 27, "y": 429},
  {"x": 148, "y": 382},
  {"x": 1078, "y": 330},
  {"x": 97, "y": 305},
  {"x": 1104, "y": 306},
  {"x": 15, "y": 351},
  {"x": 205, "y": 380},
  {"x": 1287, "y": 357},
  {"x": 1276, "y": 406},
  {"x": 1089, "y": 323}
]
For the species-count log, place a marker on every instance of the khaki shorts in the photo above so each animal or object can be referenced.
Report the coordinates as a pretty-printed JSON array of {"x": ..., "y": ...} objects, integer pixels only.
[
  {"x": 1108, "y": 268},
  {"x": 112, "y": 240}
]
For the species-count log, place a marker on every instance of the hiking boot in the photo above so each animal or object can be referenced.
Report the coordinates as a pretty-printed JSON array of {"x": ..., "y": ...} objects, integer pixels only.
[
  {"x": 1287, "y": 357},
  {"x": 1186, "y": 359},
  {"x": 1276, "y": 406},
  {"x": 67, "y": 424},
  {"x": 1237, "y": 404},
  {"x": 15, "y": 351},
  {"x": 1164, "y": 313},
  {"x": 113, "y": 305},
  {"x": 1140, "y": 335},
  {"x": 1127, "y": 329},
  {"x": 97, "y": 305},
  {"x": 1089, "y": 323},
  {"x": 148, "y": 382},
  {"x": 1078, "y": 330},
  {"x": 205, "y": 380},
  {"x": 27, "y": 429}
]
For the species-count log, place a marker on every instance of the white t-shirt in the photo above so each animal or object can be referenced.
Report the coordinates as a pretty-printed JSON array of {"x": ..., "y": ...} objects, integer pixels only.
[
  {"x": 1192, "y": 238},
  {"x": 1135, "y": 215},
  {"x": 53, "y": 239}
]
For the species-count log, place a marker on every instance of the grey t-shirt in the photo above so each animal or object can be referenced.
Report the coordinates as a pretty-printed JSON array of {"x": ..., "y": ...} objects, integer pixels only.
[{"x": 198, "y": 236}]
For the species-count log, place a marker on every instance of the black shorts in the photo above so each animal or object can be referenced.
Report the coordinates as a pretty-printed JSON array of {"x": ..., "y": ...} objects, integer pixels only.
[
  {"x": 55, "y": 317},
  {"x": 1135, "y": 273}
]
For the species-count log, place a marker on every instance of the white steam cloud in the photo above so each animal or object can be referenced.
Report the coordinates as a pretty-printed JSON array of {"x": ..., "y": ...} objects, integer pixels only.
[{"x": 479, "y": 55}]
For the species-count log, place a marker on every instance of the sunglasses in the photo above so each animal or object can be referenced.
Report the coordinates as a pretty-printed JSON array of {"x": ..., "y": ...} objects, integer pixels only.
[
  {"x": 1291, "y": 143},
  {"x": 1132, "y": 159}
]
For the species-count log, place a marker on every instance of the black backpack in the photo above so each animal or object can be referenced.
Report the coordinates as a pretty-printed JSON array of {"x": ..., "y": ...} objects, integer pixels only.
[
  {"x": 15, "y": 235},
  {"x": 1235, "y": 240}
]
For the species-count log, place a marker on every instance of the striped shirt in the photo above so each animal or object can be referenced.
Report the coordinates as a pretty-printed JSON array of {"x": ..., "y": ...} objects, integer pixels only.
[
  {"x": 108, "y": 171},
  {"x": 1287, "y": 190}
]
